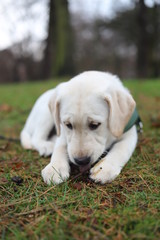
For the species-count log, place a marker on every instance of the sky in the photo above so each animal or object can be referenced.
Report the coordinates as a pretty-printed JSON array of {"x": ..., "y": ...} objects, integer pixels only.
[{"x": 15, "y": 24}]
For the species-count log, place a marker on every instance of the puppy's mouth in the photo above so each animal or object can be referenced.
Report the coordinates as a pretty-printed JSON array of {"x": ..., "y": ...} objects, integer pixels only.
[{"x": 84, "y": 168}]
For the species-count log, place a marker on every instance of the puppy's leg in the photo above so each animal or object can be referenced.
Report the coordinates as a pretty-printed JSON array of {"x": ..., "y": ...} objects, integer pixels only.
[
  {"x": 40, "y": 140},
  {"x": 25, "y": 138},
  {"x": 58, "y": 169},
  {"x": 42, "y": 127},
  {"x": 38, "y": 126},
  {"x": 109, "y": 167}
]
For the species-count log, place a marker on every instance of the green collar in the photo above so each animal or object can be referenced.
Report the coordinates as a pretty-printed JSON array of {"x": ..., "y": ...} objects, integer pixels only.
[{"x": 135, "y": 119}]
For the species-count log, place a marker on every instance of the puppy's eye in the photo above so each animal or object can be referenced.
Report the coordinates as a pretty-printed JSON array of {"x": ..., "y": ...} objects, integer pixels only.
[
  {"x": 69, "y": 126},
  {"x": 94, "y": 126}
]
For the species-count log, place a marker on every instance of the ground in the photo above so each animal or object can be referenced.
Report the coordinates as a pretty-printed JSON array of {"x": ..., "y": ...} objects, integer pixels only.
[{"x": 128, "y": 208}]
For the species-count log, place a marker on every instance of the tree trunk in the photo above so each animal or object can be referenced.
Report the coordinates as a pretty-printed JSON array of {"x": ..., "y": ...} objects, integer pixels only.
[
  {"x": 142, "y": 40},
  {"x": 58, "y": 56},
  {"x": 148, "y": 40}
]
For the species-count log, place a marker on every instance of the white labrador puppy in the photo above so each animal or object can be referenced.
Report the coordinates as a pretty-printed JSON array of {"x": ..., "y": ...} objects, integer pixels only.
[{"x": 90, "y": 113}]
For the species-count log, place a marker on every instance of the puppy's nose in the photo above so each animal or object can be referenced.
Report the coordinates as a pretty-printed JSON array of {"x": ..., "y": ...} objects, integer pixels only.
[{"x": 82, "y": 161}]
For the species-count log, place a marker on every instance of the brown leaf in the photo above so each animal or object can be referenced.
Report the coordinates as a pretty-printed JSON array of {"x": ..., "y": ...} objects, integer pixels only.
[
  {"x": 156, "y": 124},
  {"x": 155, "y": 121},
  {"x": 17, "y": 165},
  {"x": 78, "y": 186},
  {"x": 5, "y": 108}
]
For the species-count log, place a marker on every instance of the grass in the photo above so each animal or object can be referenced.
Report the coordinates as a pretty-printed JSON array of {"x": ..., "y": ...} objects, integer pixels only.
[{"x": 128, "y": 208}]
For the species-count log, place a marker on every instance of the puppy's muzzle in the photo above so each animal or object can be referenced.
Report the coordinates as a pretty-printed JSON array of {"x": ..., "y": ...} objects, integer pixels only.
[{"x": 82, "y": 161}]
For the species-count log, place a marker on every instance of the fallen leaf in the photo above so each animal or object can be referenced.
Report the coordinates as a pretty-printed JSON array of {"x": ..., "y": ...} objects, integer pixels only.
[
  {"x": 78, "y": 186},
  {"x": 5, "y": 108},
  {"x": 17, "y": 165},
  {"x": 156, "y": 124},
  {"x": 155, "y": 121}
]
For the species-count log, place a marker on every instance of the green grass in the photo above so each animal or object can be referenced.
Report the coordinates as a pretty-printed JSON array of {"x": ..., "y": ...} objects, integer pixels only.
[{"x": 128, "y": 208}]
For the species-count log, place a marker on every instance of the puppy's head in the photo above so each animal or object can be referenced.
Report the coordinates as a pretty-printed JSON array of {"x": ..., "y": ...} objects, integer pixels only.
[{"x": 90, "y": 117}]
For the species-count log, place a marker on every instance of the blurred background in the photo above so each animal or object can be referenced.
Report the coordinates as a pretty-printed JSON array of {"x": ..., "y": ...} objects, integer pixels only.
[{"x": 42, "y": 39}]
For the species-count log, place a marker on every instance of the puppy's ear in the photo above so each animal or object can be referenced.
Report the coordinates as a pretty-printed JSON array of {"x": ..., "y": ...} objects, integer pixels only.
[
  {"x": 121, "y": 107},
  {"x": 57, "y": 117},
  {"x": 54, "y": 105}
]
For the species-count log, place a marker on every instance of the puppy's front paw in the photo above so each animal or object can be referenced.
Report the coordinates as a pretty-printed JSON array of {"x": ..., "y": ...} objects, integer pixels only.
[
  {"x": 54, "y": 173},
  {"x": 103, "y": 172}
]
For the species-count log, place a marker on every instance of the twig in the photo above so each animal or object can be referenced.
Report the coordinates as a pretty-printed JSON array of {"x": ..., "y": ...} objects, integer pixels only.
[
  {"x": 145, "y": 183},
  {"x": 17, "y": 140}
]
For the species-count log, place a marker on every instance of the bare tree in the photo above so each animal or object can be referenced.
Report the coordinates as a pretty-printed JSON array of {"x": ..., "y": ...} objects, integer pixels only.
[
  {"x": 58, "y": 58},
  {"x": 140, "y": 27}
]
